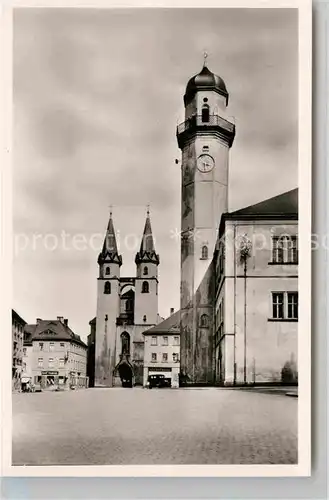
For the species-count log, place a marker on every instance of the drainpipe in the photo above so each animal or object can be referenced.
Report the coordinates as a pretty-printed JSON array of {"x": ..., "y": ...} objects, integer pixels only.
[
  {"x": 234, "y": 311},
  {"x": 245, "y": 324}
]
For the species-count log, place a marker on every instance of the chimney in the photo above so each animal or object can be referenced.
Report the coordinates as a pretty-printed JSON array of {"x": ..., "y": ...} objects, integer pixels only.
[
  {"x": 65, "y": 321},
  {"x": 172, "y": 310},
  {"x": 38, "y": 321},
  {"x": 60, "y": 318}
]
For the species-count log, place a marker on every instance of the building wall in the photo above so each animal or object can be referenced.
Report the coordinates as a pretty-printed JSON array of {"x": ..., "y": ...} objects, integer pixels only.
[
  {"x": 169, "y": 368},
  {"x": 27, "y": 360},
  {"x": 54, "y": 358},
  {"x": 146, "y": 304},
  {"x": 17, "y": 349},
  {"x": 258, "y": 346},
  {"x": 108, "y": 306}
]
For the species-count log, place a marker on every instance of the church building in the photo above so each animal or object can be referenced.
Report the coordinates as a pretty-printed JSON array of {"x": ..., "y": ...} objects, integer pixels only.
[{"x": 126, "y": 307}]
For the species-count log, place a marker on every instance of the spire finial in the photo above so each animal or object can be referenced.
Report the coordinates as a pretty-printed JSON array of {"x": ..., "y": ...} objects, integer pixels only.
[
  {"x": 205, "y": 57},
  {"x": 148, "y": 210},
  {"x": 110, "y": 207}
]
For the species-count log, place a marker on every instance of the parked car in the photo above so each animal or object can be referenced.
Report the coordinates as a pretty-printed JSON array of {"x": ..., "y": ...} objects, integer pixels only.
[{"x": 156, "y": 381}]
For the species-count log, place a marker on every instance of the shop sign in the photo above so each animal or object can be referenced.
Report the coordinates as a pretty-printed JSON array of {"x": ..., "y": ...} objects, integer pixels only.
[{"x": 49, "y": 373}]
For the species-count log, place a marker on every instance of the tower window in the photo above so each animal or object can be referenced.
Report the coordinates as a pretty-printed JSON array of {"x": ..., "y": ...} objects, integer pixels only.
[
  {"x": 145, "y": 287},
  {"x": 205, "y": 113},
  {"x": 205, "y": 99},
  {"x": 144, "y": 318},
  {"x": 107, "y": 287},
  {"x": 107, "y": 271},
  {"x": 145, "y": 271},
  {"x": 205, "y": 148},
  {"x": 204, "y": 252},
  {"x": 204, "y": 323}
]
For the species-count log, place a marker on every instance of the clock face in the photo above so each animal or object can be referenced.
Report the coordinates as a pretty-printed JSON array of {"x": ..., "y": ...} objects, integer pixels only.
[{"x": 205, "y": 163}]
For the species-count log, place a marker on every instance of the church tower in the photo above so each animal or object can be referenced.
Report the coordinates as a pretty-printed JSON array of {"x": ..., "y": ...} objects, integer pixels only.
[
  {"x": 146, "y": 284},
  {"x": 204, "y": 138},
  {"x": 108, "y": 307}
]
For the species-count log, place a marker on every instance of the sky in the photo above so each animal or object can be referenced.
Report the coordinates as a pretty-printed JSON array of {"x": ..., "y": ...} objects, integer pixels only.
[{"x": 97, "y": 97}]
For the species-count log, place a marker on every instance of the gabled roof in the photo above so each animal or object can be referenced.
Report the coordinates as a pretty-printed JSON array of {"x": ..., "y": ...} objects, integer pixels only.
[
  {"x": 15, "y": 316},
  {"x": 52, "y": 330},
  {"x": 171, "y": 325},
  {"x": 282, "y": 207}
]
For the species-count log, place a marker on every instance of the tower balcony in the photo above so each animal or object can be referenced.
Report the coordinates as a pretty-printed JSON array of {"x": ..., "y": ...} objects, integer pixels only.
[{"x": 197, "y": 123}]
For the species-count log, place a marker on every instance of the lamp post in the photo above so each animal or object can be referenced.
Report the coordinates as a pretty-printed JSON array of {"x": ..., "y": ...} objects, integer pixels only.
[{"x": 245, "y": 252}]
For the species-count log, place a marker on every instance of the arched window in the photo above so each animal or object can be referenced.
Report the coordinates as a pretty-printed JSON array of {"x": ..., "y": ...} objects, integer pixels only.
[
  {"x": 125, "y": 343},
  {"x": 204, "y": 323},
  {"x": 107, "y": 271},
  {"x": 145, "y": 287},
  {"x": 204, "y": 252},
  {"x": 107, "y": 287},
  {"x": 145, "y": 271},
  {"x": 205, "y": 113},
  {"x": 144, "y": 318}
]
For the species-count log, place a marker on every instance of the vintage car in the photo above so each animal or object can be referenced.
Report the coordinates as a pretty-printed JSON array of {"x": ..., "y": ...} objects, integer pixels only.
[{"x": 158, "y": 381}]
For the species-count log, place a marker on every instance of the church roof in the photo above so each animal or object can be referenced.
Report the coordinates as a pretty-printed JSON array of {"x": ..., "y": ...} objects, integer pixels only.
[
  {"x": 147, "y": 251},
  {"x": 170, "y": 325},
  {"x": 53, "y": 330},
  {"x": 205, "y": 80},
  {"x": 109, "y": 251}
]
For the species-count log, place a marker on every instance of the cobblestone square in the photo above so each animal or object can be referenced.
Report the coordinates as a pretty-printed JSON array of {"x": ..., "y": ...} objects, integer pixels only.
[{"x": 139, "y": 426}]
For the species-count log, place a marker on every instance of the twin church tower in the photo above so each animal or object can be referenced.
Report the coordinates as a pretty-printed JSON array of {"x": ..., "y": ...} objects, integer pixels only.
[{"x": 127, "y": 307}]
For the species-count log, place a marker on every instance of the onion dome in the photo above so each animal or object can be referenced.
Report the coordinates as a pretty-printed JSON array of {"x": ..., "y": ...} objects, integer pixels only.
[{"x": 205, "y": 80}]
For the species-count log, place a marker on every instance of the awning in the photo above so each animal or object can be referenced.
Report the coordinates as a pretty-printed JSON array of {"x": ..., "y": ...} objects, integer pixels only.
[{"x": 24, "y": 380}]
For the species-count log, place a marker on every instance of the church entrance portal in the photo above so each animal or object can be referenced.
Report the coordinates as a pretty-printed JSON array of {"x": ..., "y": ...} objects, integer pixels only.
[{"x": 126, "y": 375}]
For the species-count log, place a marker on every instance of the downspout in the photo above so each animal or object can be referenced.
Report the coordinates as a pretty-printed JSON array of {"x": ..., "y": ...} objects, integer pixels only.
[
  {"x": 245, "y": 324},
  {"x": 234, "y": 311}
]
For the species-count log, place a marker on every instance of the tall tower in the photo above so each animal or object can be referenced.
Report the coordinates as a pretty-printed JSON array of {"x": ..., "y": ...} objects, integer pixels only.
[
  {"x": 146, "y": 284},
  {"x": 204, "y": 138},
  {"x": 108, "y": 307}
]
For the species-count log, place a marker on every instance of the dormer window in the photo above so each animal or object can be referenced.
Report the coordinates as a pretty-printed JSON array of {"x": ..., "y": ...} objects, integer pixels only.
[
  {"x": 145, "y": 287},
  {"x": 204, "y": 252},
  {"x": 145, "y": 271},
  {"x": 107, "y": 287},
  {"x": 205, "y": 113},
  {"x": 107, "y": 271}
]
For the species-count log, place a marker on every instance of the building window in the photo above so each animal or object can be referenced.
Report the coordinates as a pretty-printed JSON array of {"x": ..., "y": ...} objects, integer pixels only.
[
  {"x": 176, "y": 340},
  {"x": 107, "y": 271},
  {"x": 154, "y": 357},
  {"x": 145, "y": 271},
  {"x": 51, "y": 346},
  {"x": 145, "y": 287},
  {"x": 204, "y": 323},
  {"x": 204, "y": 252},
  {"x": 24, "y": 351},
  {"x": 175, "y": 357},
  {"x": 62, "y": 344},
  {"x": 164, "y": 357},
  {"x": 41, "y": 346},
  {"x": 61, "y": 362},
  {"x": 277, "y": 304},
  {"x": 154, "y": 341},
  {"x": 40, "y": 362},
  {"x": 107, "y": 287},
  {"x": 144, "y": 318},
  {"x": 284, "y": 250},
  {"x": 51, "y": 362},
  {"x": 205, "y": 113},
  {"x": 205, "y": 148},
  {"x": 292, "y": 299},
  {"x": 165, "y": 341}
]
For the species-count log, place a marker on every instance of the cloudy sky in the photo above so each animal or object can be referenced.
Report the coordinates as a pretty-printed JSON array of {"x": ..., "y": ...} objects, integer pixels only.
[{"x": 97, "y": 96}]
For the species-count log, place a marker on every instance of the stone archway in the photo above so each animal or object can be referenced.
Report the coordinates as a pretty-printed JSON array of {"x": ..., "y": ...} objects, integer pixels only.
[{"x": 126, "y": 374}]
